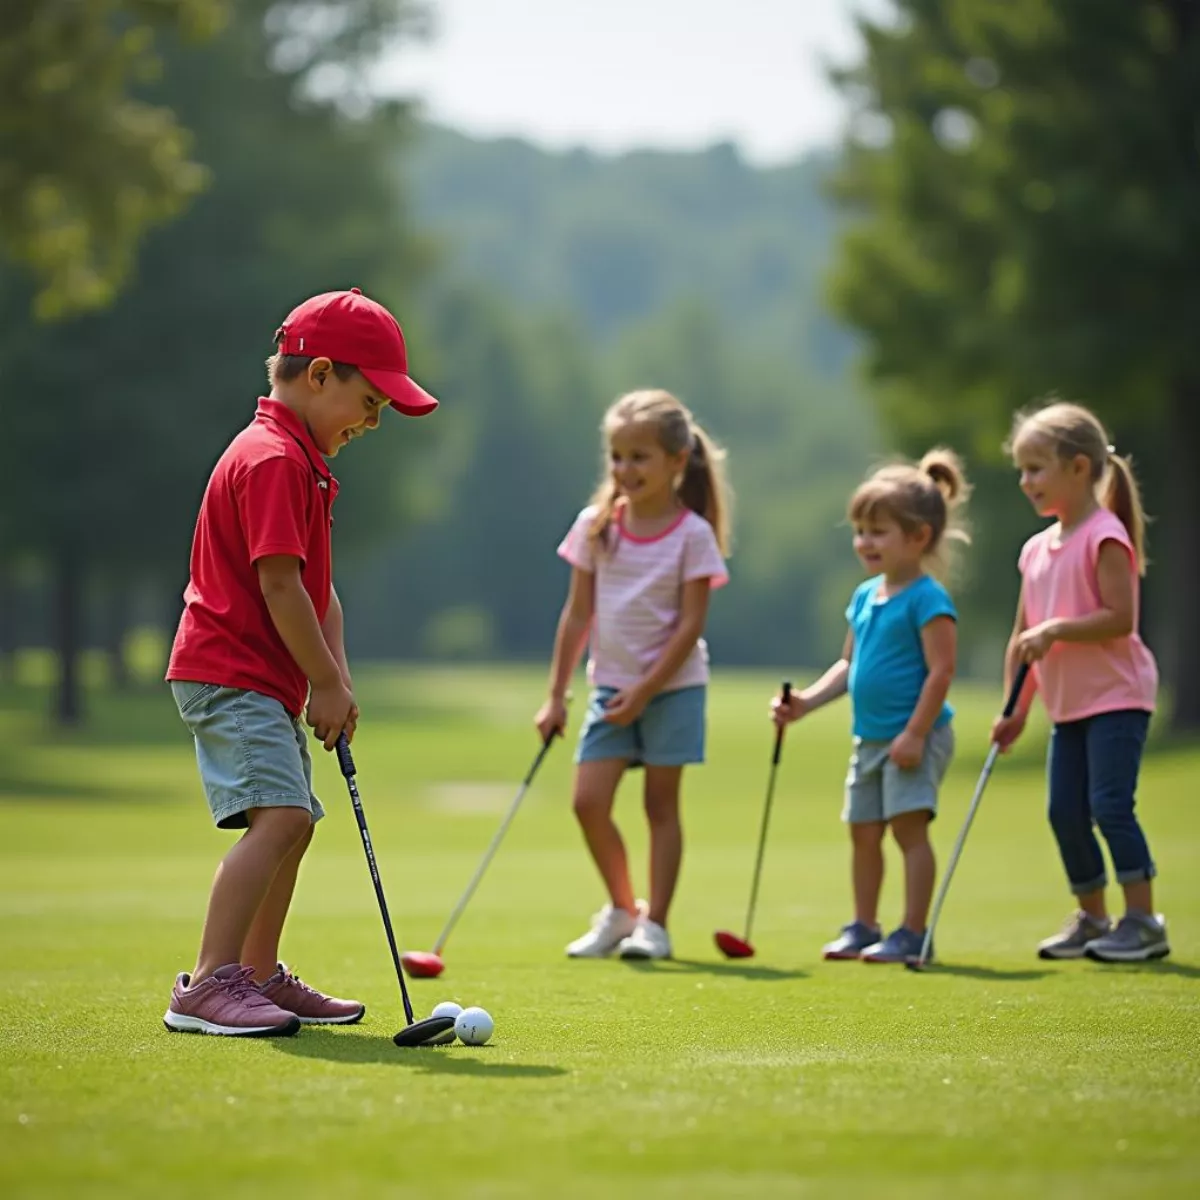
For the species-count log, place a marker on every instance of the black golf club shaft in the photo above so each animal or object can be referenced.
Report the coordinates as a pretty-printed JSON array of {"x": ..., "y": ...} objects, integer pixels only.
[
  {"x": 346, "y": 763},
  {"x": 786, "y": 694}
]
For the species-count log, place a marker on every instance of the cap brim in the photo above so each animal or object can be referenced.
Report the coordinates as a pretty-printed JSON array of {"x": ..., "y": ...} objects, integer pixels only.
[{"x": 403, "y": 393}]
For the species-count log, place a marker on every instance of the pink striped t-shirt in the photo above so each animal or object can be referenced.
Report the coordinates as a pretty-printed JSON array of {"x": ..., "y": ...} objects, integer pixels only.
[
  {"x": 638, "y": 591},
  {"x": 1081, "y": 679}
]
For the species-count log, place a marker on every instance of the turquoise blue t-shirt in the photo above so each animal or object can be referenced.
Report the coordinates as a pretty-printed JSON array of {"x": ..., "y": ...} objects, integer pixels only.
[{"x": 888, "y": 670}]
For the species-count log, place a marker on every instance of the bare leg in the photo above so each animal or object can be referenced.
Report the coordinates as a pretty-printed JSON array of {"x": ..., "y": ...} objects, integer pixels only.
[
  {"x": 1139, "y": 897},
  {"x": 242, "y": 882},
  {"x": 261, "y": 948},
  {"x": 1093, "y": 904},
  {"x": 666, "y": 838},
  {"x": 911, "y": 831},
  {"x": 595, "y": 790},
  {"x": 866, "y": 838}
]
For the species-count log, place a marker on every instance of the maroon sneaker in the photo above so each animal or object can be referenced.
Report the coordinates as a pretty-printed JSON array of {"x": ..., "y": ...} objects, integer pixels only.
[
  {"x": 311, "y": 1006},
  {"x": 227, "y": 1003}
]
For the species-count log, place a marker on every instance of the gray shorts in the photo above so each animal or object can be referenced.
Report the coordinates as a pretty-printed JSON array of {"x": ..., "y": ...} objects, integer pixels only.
[
  {"x": 878, "y": 790},
  {"x": 251, "y": 751}
]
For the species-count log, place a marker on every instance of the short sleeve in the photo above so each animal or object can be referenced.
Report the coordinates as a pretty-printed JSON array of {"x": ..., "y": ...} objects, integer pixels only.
[
  {"x": 1109, "y": 529},
  {"x": 273, "y": 499},
  {"x": 577, "y": 546},
  {"x": 932, "y": 601},
  {"x": 702, "y": 556},
  {"x": 862, "y": 595},
  {"x": 1027, "y": 553}
]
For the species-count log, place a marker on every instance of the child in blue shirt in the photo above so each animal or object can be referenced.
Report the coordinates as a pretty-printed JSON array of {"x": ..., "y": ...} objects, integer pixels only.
[{"x": 897, "y": 664}]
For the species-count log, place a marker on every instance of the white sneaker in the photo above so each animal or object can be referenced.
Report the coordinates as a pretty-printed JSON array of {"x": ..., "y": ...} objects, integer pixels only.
[
  {"x": 610, "y": 927},
  {"x": 648, "y": 940}
]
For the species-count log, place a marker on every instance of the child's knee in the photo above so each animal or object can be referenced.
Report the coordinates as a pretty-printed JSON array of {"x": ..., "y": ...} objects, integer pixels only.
[
  {"x": 286, "y": 826},
  {"x": 910, "y": 830},
  {"x": 661, "y": 810}
]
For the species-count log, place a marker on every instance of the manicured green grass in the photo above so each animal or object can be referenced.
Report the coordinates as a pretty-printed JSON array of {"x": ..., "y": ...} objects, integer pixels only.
[{"x": 782, "y": 1076}]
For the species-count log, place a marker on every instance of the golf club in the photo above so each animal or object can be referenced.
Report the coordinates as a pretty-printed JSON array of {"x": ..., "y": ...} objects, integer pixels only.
[
  {"x": 415, "y": 1033},
  {"x": 727, "y": 941},
  {"x": 1010, "y": 707},
  {"x": 428, "y": 964}
]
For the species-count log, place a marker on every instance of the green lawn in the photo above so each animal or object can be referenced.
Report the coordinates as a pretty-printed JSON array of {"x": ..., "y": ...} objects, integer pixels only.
[{"x": 784, "y": 1076}]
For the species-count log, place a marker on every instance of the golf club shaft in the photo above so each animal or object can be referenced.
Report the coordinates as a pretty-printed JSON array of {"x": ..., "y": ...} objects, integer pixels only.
[
  {"x": 766, "y": 818},
  {"x": 439, "y": 945},
  {"x": 1014, "y": 696},
  {"x": 346, "y": 762}
]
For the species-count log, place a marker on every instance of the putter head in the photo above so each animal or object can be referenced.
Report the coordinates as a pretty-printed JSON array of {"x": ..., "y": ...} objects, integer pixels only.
[
  {"x": 422, "y": 964},
  {"x": 731, "y": 945},
  {"x": 420, "y": 1033}
]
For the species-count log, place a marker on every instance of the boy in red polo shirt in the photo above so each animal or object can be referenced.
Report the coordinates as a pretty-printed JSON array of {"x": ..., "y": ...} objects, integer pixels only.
[{"x": 260, "y": 635}]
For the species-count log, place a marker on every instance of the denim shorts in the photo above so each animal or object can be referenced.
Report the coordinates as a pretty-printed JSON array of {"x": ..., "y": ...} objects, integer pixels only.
[
  {"x": 251, "y": 751},
  {"x": 878, "y": 790},
  {"x": 669, "y": 733}
]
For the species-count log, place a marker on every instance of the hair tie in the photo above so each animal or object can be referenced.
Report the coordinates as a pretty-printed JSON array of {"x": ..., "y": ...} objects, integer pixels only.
[{"x": 1112, "y": 451}]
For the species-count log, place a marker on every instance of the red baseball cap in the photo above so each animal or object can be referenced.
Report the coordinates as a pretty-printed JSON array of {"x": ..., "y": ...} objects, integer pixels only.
[{"x": 349, "y": 327}]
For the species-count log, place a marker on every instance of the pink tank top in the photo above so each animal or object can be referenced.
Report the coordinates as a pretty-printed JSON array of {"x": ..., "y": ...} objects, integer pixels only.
[{"x": 1081, "y": 679}]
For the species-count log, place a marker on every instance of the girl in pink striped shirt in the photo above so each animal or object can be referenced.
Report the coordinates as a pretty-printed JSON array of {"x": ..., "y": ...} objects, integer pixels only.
[
  {"x": 1077, "y": 622},
  {"x": 645, "y": 555}
]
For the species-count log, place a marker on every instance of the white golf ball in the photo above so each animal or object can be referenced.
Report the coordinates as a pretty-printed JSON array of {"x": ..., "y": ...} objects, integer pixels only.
[
  {"x": 447, "y": 1008},
  {"x": 474, "y": 1026}
]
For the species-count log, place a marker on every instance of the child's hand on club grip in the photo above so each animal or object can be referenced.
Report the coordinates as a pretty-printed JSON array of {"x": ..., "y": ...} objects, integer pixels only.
[{"x": 329, "y": 708}]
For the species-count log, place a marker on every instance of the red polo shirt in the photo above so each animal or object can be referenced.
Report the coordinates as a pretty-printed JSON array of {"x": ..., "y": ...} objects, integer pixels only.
[{"x": 270, "y": 493}]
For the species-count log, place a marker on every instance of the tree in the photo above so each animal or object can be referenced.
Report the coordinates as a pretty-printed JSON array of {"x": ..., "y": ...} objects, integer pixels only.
[
  {"x": 136, "y": 402},
  {"x": 1027, "y": 180},
  {"x": 86, "y": 165}
]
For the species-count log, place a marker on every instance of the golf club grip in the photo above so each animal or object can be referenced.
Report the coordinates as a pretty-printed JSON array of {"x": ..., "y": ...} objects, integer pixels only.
[
  {"x": 1018, "y": 686},
  {"x": 786, "y": 695},
  {"x": 344, "y": 757}
]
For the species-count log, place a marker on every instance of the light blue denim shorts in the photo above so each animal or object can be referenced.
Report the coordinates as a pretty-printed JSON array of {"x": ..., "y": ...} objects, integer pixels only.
[
  {"x": 251, "y": 751},
  {"x": 878, "y": 790},
  {"x": 669, "y": 733}
]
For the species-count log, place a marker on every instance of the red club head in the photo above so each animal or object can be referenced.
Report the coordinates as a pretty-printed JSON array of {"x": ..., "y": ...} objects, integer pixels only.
[
  {"x": 422, "y": 964},
  {"x": 731, "y": 945}
]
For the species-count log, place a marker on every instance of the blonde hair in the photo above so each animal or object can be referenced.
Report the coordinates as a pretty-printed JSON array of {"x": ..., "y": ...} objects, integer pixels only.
[
  {"x": 702, "y": 487},
  {"x": 1070, "y": 430},
  {"x": 927, "y": 494}
]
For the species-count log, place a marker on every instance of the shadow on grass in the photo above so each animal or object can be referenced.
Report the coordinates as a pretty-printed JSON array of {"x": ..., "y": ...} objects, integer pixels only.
[
  {"x": 1024, "y": 974},
  {"x": 679, "y": 965},
  {"x": 1184, "y": 970},
  {"x": 342, "y": 1046}
]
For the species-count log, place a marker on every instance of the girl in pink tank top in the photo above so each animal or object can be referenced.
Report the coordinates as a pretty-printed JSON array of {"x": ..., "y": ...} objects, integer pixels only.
[{"x": 1077, "y": 623}]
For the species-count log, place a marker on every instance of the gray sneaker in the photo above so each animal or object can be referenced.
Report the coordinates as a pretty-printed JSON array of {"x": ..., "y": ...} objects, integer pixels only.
[
  {"x": 1072, "y": 940},
  {"x": 1136, "y": 938}
]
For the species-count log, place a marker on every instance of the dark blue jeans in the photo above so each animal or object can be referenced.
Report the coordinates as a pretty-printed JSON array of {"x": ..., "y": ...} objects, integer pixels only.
[{"x": 1093, "y": 774}]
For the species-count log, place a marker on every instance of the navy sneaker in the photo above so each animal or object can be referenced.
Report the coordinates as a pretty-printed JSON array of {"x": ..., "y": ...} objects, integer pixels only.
[
  {"x": 855, "y": 938},
  {"x": 900, "y": 946}
]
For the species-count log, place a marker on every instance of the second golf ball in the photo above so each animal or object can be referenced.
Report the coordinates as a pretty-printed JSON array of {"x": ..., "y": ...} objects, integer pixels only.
[
  {"x": 474, "y": 1026},
  {"x": 447, "y": 1008}
]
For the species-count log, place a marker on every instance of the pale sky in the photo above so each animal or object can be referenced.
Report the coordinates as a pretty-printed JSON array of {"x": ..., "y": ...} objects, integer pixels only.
[{"x": 617, "y": 74}]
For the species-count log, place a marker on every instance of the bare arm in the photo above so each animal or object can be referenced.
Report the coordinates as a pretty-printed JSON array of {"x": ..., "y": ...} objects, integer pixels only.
[
  {"x": 1006, "y": 730},
  {"x": 332, "y": 631},
  {"x": 939, "y": 642},
  {"x": 295, "y": 618},
  {"x": 833, "y": 684},
  {"x": 693, "y": 613},
  {"x": 1114, "y": 617},
  {"x": 629, "y": 703},
  {"x": 574, "y": 625}
]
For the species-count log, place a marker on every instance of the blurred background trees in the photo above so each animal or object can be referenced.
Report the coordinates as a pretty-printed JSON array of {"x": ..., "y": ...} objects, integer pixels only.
[{"x": 1014, "y": 213}]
